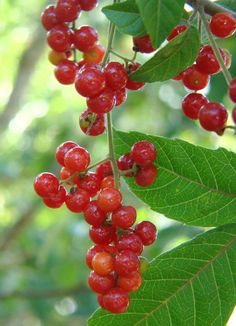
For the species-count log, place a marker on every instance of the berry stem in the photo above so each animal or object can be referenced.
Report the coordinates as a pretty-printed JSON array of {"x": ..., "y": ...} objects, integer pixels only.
[
  {"x": 120, "y": 56},
  {"x": 214, "y": 45}
]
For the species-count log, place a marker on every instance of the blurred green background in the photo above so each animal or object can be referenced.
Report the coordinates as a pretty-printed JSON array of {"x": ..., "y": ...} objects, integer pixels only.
[{"x": 41, "y": 249}]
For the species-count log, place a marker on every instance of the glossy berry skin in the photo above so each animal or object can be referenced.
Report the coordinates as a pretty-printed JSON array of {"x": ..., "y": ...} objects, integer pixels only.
[
  {"x": 206, "y": 62},
  {"x": 147, "y": 232},
  {"x": 120, "y": 96},
  {"x": 104, "y": 169},
  {"x": 65, "y": 72},
  {"x": 192, "y": 104},
  {"x": 90, "y": 82},
  {"x": 100, "y": 284},
  {"x": 92, "y": 124},
  {"x": 92, "y": 252},
  {"x": 126, "y": 262},
  {"x": 77, "y": 159},
  {"x": 227, "y": 58},
  {"x": 65, "y": 174},
  {"x": 103, "y": 103},
  {"x": 49, "y": 17},
  {"x": 108, "y": 182},
  {"x": 124, "y": 163},
  {"x": 116, "y": 75},
  {"x": 234, "y": 115},
  {"x": 102, "y": 235},
  {"x": 109, "y": 199},
  {"x": 179, "y": 76},
  {"x": 56, "y": 57},
  {"x": 176, "y": 31},
  {"x": 143, "y": 44},
  {"x": 77, "y": 200},
  {"x": 93, "y": 214},
  {"x": 232, "y": 90},
  {"x": 124, "y": 217},
  {"x": 56, "y": 200},
  {"x": 59, "y": 38},
  {"x": 143, "y": 153},
  {"x": 130, "y": 242},
  {"x": 91, "y": 183},
  {"x": 62, "y": 149},
  {"x": 46, "y": 184},
  {"x": 131, "y": 282},
  {"x": 67, "y": 10},
  {"x": 94, "y": 55},
  {"x": 195, "y": 80},
  {"x": 223, "y": 25},
  {"x": 213, "y": 116},
  {"x": 85, "y": 38},
  {"x": 87, "y": 5},
  {"x": 116, "y": 301},
  {"x": 146, "y": 175},
  {"x": 131, "y": 84},
  {"x": 103, "y": 263}
]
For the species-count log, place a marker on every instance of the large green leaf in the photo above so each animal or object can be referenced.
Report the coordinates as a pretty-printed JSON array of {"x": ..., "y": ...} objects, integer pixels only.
[
  {"x": 230, "y": 4},
  {"x": 160, "y": 17},
  {"x": 192, "y": 285},
  {"x": 196, "y": 186},
  {"x": 177, "y": 55},
  {"x": 126, "y": 17}
]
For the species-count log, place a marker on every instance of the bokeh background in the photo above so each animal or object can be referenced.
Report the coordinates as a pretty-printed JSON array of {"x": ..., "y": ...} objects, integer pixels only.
[{"x": 42, "y": 269}]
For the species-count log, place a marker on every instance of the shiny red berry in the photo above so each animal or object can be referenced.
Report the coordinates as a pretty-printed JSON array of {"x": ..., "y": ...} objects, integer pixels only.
[
  {"x": 102, "y": 235},
  {"x": 109, "y": 199},
  {"x": 206, "y": 62},
  {"x": 46, "y": 184},
  {"x": 65, "y": 72},
  {"x": 116, "y": 301},
  {"x": 120, "y": 96},
  {"x": 234, "y": 115},
  {"x": 77, "y": 159},
  {"x": 146, "y": 175},
  {"x": 85, "y": 38},
  {"x": 131, "y": 84},
  {"x": 194, "y": 79},
  {"x": 95, "y": 54},
  {"x": 56, "y": 57},
  {"x": 223, "y": 25},
  {"x": 62, "y": 149},
  {"x": 101, "y": 284},
  {"x": 59, "y": 38},
  {"x": 87, "y": 5},
  {"x": 124, "y": 217},
  {"x": 232, "y": 90},
  {"x": 126, "y": 262},
  {"x": 90, "y": 82},
  {"x": 130, "y": 242},
  {"x": 77, "y": 200},
  {"x": 91, "y": 182},
  {"x": 125, "y": 163},
  {"x": 104, "y": 169},
  {"x": 147, "y": 232},
  {"x": 103, "y": 103},
  {"x": 103, "y": 263},
  {"x": 176, "y": 31},
  {"x": 143, "y": 153},
  {"x": 49, "y": 17},
  {"x": 108, "y": 182},
  {"x": 192, "y": 104},
  {"x": 143, "y": 44},
  {"x": 93, "y": 214},
  {"x": 130, "y": 283},
  {"x": 67, "y": 10},
  {"x": 213, "y": 116},
  {"x": 56, "y": 200},
  {"x": 116, "y": 75},
  {"x": 92, "y": 252},
  {"x": 92, "y": 124}
]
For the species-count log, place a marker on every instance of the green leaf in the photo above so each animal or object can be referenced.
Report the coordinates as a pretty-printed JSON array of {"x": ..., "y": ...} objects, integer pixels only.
[
  {"x": 160, "y": 17},
  {"x": 126, "y": 17},
  {"x": 230, "y": 4},
  {"x": 196, "y": 186},
  {"x": 194, "y": 284},
  {"x": 176, "y": 56}
]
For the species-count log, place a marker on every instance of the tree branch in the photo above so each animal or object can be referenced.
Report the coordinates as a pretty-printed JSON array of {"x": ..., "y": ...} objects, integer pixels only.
[{"x": 211, "y": 8}]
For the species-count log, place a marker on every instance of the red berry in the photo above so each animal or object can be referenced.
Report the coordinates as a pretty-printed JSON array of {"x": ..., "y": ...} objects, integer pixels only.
[
  {"x": 227, "y": 58},
  {"x": 104, "y": 169},
  {"x": 108, "y": 182},
  {"x": 90, "y": 82},
  {"x": 85, "y": 38},
  {"x": 56, "y": 57},
  {"x": 56, "y": 200},
  {"x": 109, "y": 199},
  {"x": 62, "y": 150},
  {"x": 194, "y": 79},
  {"x": 223, "y": 25},
  {"x": 59, "y": 38},
  {"x": 234, "y": 115},
  {"x": 103, "y": 263},
  {"x": 91, "y": 183},
  {"x": 49, "y": 17},
  {"x": 77, "y": 159},
  {"x": 146, "y": 175},
  {"x": 100, "y": 284},
  {"x": 77, "y": 200},
  {"x": 206, "y": 62},
  {"x": 92, "y": 124},
  {"x": 87, "y": 5},
  {"x": 102, "y": 103},
  {"x": 143, "y": 44},
  {"x": 213, "y": 116},
  {"x": 116, "y": 301},
  {"x": 116, "y": 75},
  {"x": 131, "y": 84},
  {"x": 126, "y": 262},
  {"x": 130, "y": 242},
  {"x": 65, "y": 72},
  {"x": 46, "y": 184},
  {"x": 232, "y": 90},
  {"x": 124, "y": 217},
  {"x": 94, "y": 54},
  {"x": 120, "y": 96},
  {"x": 92, "y": 252},
  {"x": 67, "y": 10},
  {"x": 192, "y": 104},
  {"x": 143, "y": 153},
  {"x": 100, "y": 300},
  {"x": 147, "y": 232},
  {"x": 124, "y": 163},
  {"x": 93, "y": 214},
  {"x": 130, "y": 283},
  {"x": 176, "y": 31},
  {"x": 65, "y": 174},
  {"x": 102, "y": 235},
  {"x": 179, "y": 76}
]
